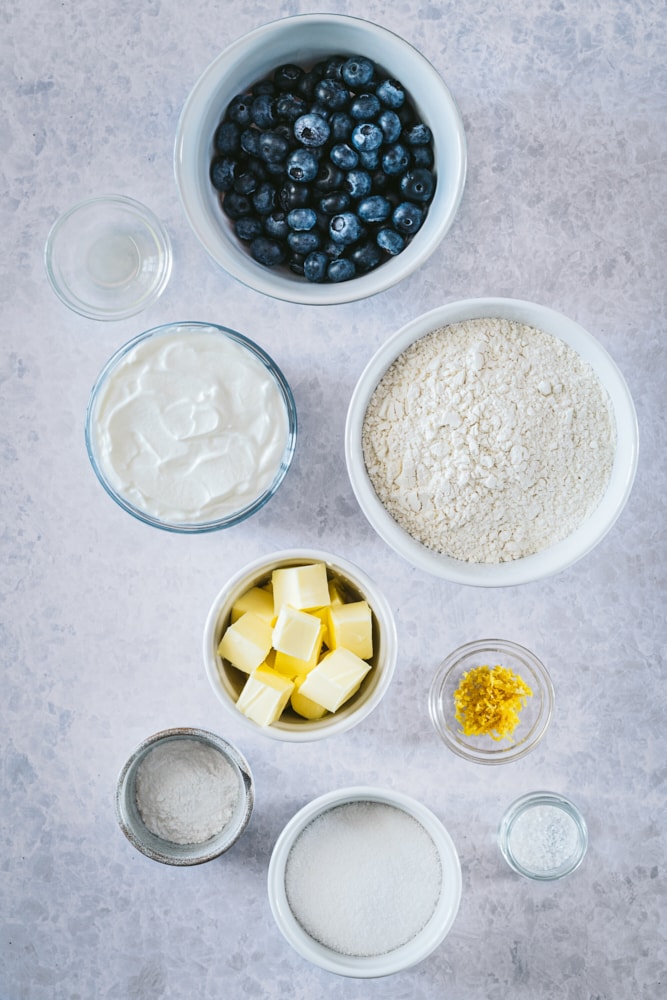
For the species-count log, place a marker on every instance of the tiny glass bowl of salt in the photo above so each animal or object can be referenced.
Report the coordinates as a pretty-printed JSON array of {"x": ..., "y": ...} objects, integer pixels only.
[
  {"x": 543, "y": 836},
  {"x": 184, "y": 796},
  {"x": 491, "y": 701},
  {"x": 108, "y": 258},
  {"x": 191, "y": 427},
  {"x": 491, "y": 442},
  {"x": 300, "y": 645},
  {"x": 364, "y": 882}
]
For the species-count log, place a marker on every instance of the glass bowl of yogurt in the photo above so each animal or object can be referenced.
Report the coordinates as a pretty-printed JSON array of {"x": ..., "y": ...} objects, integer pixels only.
[{"x": 191, "y": 427}]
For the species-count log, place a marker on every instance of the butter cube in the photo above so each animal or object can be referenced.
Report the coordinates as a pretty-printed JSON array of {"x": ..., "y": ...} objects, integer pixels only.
[
  {"x": 335, "y": 678},
  {"x": 293, "y": 666},
  {"x": 302, "y": 587},
  {"x": 304, "y": 706},
  {"x": 264, "y": 696},
  {"x": 351, "y": 626},
  {"x": 297, "y": 633},
  {"x": 323, "y": 615},
  {"x": 247, "y": 642},
  {"x": 256, "y": 600},
  {"x": 335, "y": 593}
]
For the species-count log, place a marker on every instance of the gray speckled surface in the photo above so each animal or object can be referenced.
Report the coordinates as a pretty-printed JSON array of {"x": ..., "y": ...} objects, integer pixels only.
[{"x": 101, "y": 618}]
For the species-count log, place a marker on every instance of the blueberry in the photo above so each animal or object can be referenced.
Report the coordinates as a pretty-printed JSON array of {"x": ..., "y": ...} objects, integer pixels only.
[
  {"x": 365, "y": 107},
  {"x": 345, "y": 228},
  {"x": 302, "y": 165},
  {"x": 332, "y": 93},
  {"x": 332, "y": 67},
  {"x": 341, "y": 125},
  {"x": 250, "y": 141},
  {"x": 307, "y": 83},
  {"x": 294, "y": 195},
  {"x": 222, "y": 173},
  {"x": 239, "y": 110},
  {"x": 301, "y": 219},
  {"x": 267, "y": 251},
  {"x": 407, "y": 217},
  {"x": 417, "y": 184},
  {"x": 357, "y": 183},
  {"x": 390, "y": 124},
  {"x": 418, "y": 135},
  {"x": 304, "y": 243},
  {"x": 263, "y": 112},
  {"x": 315, "y": 266},
  {"x": 357, "y": 71},
  {"x": 264, "y": 198},
  {"x": 422, "y": 156},
  {"x": 341, "y": 269},
  {"x": 335, "y": 202},
  {"x": 246, "y": 182},
  {"x": 391, "y": 93},
  {"x": 226, "y": 139},
  {"x": 374, "y": 208},
  {"x": 366, "y": 257},
  {"x": 275, "y": 224},
  {"x": 287, "y": 76},
  {"x": 343, "y": 156},
  {"x": 369, "y": 159},
  {"x": 329, "y": 177},
  {"x": 295, "y": 262},
  {"x": 273, "y": 147},
  {"x": 366, "y": 136},
  {"x": 236, "y": 205},
  {"x": 289, "y": 107},
  {"x": 396, "y": 159},
  {"x": 248, "y": 227},
  {"x": 390, "y": 240},
  {"x": 311, "y": 130}
]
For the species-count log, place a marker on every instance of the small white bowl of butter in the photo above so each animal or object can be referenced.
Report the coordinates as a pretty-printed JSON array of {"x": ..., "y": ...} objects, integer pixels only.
[
  {"x": 300, "y": 645},
  {"x": 191, "y": 427}
]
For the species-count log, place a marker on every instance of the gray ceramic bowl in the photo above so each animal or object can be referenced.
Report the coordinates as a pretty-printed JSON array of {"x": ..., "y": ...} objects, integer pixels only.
[{"x": 166, "y": 851}]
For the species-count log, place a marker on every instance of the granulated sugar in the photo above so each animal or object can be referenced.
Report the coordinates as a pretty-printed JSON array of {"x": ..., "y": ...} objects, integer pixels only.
[
  {"x": 363, "y": 878},
  {"x": 544, "y": 838},
  {"x": 489, "y": 440}
]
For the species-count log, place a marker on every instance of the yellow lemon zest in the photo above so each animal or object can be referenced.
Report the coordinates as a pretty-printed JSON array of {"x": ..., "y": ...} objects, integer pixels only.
[{"x": 489, "y": 700}]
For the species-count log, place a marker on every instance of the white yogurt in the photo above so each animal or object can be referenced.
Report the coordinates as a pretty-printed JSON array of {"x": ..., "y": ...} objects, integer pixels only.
[{"x": 189, "y": 426}]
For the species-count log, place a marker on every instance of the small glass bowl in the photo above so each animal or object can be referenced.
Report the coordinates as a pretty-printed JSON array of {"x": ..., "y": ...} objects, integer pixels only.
[
  {"x": 534, "y": 717},
  {"x": 108, "y": 258},
  {"x": 543, "y": 836},
  {"x": 256, "y": 356},
  {"x": 164, "y": 851}
]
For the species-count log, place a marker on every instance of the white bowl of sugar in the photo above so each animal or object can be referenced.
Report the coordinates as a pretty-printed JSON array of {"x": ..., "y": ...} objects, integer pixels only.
[
  {"x": 184, "y": 796},
  {"x": 364, "y": 882},
  {"x": 491, "y": 442}
]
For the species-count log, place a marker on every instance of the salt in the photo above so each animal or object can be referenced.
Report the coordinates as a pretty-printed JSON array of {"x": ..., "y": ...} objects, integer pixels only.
[
  {"x": 186, "y": 791},
  {"x": 363, "y": 878},
  {"x": 543, "y": 838}
]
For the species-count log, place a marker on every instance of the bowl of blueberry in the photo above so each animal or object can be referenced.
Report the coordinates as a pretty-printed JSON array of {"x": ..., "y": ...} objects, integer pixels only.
[{"x": 320, "y": 159}]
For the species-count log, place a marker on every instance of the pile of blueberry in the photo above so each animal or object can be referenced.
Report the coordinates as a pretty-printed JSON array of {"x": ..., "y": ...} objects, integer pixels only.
[{"x": 327, "y": 171}]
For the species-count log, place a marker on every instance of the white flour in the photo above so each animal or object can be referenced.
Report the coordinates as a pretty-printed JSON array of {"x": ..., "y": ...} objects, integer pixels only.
[
  {"x": 489, "y": 440},
  {"x": 186, "y": 791}
]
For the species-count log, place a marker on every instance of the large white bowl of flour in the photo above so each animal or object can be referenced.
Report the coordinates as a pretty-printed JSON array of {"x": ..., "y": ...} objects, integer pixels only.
[{"x": 491, "y": 442}]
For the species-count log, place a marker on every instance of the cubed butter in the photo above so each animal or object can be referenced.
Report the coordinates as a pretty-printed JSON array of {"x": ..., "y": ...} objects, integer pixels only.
[
  {"x": 297, "y": 633},
  {"x": 351, "y": 626},
  {"x": 257, "y": 600},
  {"x": 264, "y": 696},
  {"x": 293, "y": 666},
  {"x": 302, "y": 587},
  {"x": 323, "y": 615},
  {"x": 335, "y": 678},
  {"x": 247, "y": 642},
  {"x": 335, "y": 593},
  {"x": 303, "y": 706}
]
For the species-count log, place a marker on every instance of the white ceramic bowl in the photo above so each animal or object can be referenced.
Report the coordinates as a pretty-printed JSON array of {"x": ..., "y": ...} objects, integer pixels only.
[
  {"x": 540, "y": 564},
  {"x": 398, "y": 959},
  {"x": 227, "y": 682},
  {"x": 164, "y": 851},
  {"x": 304, "y": 39}
]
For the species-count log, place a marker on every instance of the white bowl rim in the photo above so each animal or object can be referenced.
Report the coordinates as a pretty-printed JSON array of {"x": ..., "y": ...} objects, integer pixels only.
[
  {"x": 401, "y": 958},
  {"x": 564, "y": 553},
  {"x": 335, "y": 723},
  {"x": 290, "y": 288}
]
